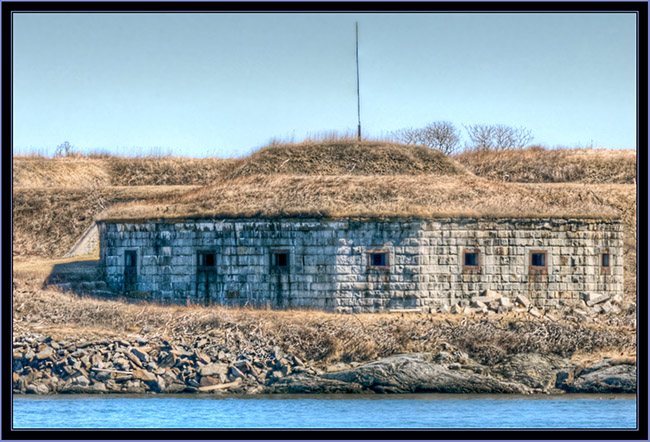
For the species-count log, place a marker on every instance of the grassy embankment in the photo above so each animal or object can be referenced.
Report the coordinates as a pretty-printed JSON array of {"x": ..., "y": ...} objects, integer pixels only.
[{"x": 55, "y": 200}]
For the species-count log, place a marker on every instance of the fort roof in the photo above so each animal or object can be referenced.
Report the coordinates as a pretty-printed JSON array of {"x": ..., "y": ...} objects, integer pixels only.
[{"x": 347, "y": 178}]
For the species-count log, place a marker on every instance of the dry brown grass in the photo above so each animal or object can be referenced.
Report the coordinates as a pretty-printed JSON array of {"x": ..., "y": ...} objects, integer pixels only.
[
  {"x": 539, "y": 165},
  {"x": 168, "y": 171},
  {"x": 379, "y": 197},
  {"x": 314, "y": 335},
  {"x": 346, "y": 156},
  {"x": 38, "y": 269},
  {"x": 48, "y": 221},
  {"x": 79, "y": 171},
  {"x": 33, "y": 171}
]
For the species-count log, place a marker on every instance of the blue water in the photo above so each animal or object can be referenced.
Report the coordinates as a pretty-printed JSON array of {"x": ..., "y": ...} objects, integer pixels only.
[{"x": 362, "y": 411}]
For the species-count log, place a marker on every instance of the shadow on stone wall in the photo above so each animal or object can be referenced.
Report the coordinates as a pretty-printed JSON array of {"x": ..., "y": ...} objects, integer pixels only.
[
  {"x": 85, "y": 278},
  {"x": 80, "y": 278}
]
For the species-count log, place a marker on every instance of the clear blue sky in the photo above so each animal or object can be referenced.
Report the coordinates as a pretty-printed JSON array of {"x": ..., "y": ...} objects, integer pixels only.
[{"x": 224, "y": 84}]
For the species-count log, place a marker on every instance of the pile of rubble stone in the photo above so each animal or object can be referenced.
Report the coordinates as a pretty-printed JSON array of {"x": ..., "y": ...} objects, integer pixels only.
[
  {"x": 42, "y": 365},
  {"x": 587, "y": 309}
]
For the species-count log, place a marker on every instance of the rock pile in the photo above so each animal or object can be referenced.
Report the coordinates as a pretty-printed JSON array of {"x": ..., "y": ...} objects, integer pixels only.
[
  {"x": 42, "y": 365},
  {"x": 491, "y": 302}
]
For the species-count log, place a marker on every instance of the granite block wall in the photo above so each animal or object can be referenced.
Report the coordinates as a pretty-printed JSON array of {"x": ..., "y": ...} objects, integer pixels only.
[{"x": 362, "y": 266}]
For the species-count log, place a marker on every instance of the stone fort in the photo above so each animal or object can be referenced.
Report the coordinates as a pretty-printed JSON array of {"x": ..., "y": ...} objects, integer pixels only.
[{"x": 361, "y": 265}]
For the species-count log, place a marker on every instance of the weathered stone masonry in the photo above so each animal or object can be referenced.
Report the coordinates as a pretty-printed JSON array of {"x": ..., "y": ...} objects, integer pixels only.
[{"x": 348, "y": 265}]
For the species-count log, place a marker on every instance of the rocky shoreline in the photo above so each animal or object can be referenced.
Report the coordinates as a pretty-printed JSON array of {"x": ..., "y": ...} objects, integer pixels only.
[{"x": 139, "y": 364}]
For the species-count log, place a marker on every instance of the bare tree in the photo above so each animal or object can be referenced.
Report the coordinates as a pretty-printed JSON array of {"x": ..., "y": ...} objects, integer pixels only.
[
  {"x": 64, "y": 149},
  {"x": 439, "y": 135},
  {"x": 408, "y": 135},
  {"x": 481, "y": 137},
  {"x": 507, "y": 137},
  {"x": 498, "y": 137}
]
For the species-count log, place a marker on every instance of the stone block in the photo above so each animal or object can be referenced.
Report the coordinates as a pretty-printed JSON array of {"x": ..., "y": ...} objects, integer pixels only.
[
  {"x": 214, "y": 369},
  {"x": 505, "y": 302},
  {"x": 487, "y": 296},
  {"x": 595, "y": 298},
  {"x": 607, "y": 307}
]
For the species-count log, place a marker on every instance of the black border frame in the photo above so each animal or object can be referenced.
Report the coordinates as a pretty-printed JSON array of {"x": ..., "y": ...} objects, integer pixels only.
[{"x": 641, "y": 8}]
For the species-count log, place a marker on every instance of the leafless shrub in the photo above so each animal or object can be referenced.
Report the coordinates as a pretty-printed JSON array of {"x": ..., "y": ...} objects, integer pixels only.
[
  {"x": 484, "y": 137},
  {"x": 439, "y": 135},
  {"x": 65, "y": 149}
]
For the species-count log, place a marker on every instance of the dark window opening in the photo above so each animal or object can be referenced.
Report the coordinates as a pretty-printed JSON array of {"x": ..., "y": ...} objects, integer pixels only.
[
  {"x": 538, "y": 260},
  {"x": 378, "y": 259},
  {"x": 206, "y": 259},
  {"x": 130, "y": 271},
  {"x": 471, "y": 259},
  {"x": 130, "y": 258},
  {"x": 605, "y": 263},
  {"x": 280, "y": 259},
  {"x": 605, "y": 260}
]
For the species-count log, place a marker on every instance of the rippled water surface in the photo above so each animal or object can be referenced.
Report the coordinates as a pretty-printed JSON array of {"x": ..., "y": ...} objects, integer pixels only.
[{"x": 407, "y": 411}]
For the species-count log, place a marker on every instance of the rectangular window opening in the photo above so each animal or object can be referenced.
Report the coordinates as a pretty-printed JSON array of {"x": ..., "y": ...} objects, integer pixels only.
[
  {"x": 471, "y": 259},
  {"x": 605, "y": 259},
  {"x": 605, "y": 262},
  {"x": 538, "y": 260},
  {"x": 206, "y": 259},
  {"x": 130, "y": 271},
  {"x": 378, "y": 259},
  {"x": 280, "y": 259},
  {"x": 130, "y": 258}
]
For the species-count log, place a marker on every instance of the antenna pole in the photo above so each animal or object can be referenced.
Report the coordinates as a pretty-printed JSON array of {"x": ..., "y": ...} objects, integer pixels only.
[{"x": 358, "y": 96}]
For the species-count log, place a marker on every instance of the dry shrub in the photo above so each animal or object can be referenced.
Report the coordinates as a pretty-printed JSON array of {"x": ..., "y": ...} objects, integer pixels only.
[
  {"x": 540, "y": 165},
  {"x": 487, "y": 354},
  {"x": 491, "y": 341}
]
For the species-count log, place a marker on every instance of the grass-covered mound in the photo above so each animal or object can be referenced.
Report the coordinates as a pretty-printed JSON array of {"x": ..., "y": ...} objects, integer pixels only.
[
  {"x": 539, "y": 165},
  {"x": 347, "y": 157},
  {"x": 106, "y": 170},
  {"x": 379, "y": 197},
  {"x": 48, "y": 221}
]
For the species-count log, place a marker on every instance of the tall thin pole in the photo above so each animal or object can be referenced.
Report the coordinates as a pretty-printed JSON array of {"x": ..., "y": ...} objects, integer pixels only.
[{"x": 358, "y": 96}]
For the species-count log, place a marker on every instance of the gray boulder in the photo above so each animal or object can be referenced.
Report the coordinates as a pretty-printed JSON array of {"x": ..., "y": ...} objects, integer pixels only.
[
  {"x": 616, "y": 379},
  {"x": 411, "y": 373},
  {"x": 37, "y": 389},
  {"x": 532, "y": 370}
]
